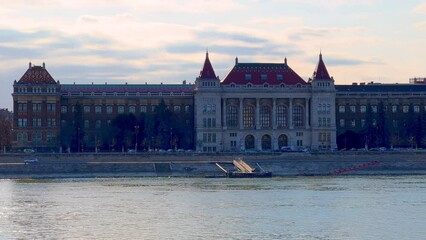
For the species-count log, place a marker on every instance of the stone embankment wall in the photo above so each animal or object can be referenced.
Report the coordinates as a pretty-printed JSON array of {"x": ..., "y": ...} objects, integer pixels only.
[{"x": 194, "y": 164}]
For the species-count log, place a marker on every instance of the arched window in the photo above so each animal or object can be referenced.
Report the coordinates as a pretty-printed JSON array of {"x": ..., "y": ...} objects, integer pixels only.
[
  {"x": 265, "y": 116},
  {"x": 232, "y": 116},
  {"x": 282, "y": 141},
  {"x": 298, "y": 116},
  {"x": 281, "y": 116},
  {"x": 249, "y": 142},
  {"x": 248, "y": 117},
  {"x": 266, "y": 142}
]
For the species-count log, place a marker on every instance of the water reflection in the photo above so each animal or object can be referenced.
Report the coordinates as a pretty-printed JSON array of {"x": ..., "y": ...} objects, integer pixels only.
[{"x": 190, "y": 208}]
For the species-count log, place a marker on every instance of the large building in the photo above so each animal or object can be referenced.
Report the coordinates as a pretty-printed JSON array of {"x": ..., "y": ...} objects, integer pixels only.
[{"x": 256, "y": 107}]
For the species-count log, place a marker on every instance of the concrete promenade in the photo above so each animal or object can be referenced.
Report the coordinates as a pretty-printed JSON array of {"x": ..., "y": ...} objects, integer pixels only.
[{"x": 202, "y": 165}]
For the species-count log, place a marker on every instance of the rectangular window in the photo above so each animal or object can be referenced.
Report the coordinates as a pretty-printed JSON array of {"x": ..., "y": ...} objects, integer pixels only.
[
  {"x": 86, "y": 109},
  {"x": 405, "y": 109},
  {"x": 36, "y": 107},
  {"x": 132, "y": 109},
  {"x": 233, "y": 144},
  {"x": 394, "y": 108},
  {"x": 109, "y": 109},
  {"x": 362, "y": 122},
  {"x": 416, "y": 109},
  {"x": 153, "y": 108},
  {"x": 395, "y": 123},
  {"x": 341, "y": 109},
  {"x": 248, "y": 77},
  {"x": 279, "y": 77},
  {"x": 352, "y": 108},
  {"x": 342, "y": 122},
  {"x": 64, "y": 109},
  {"x": 363, "y": 109},
  {"x": 51, "y": 107},
  {"x": 353, "y": 123},
  {"x": 98, "y": 124},
  {"x": 51, "y": 122},
  {"x": 120, "y": 109},
  {"x": 374, "y": 108},
  {"x": 86, "y": 124},
  {"x": 204, "y": 122},
  {"x": 176, "y": 108},
  {"x": 22, "y": 107},
  {"x": 263, "y": 77},
  {"x": 143, "y": 108},
  {"x": 98, "y": 109},
  {"x": 186, "y": 108}
]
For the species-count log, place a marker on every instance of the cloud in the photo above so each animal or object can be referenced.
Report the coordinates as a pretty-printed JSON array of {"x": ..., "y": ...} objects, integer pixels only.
[
  {"x": 420, "y": 8},
  {"x": 334, "y": 61}
]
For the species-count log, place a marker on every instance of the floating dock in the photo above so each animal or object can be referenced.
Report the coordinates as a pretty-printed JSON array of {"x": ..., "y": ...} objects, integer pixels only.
[{"x": 245, "y": 170}]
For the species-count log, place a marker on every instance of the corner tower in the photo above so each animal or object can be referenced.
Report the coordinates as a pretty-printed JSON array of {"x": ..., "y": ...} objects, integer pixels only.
[
  {"x": 323, "y": 114},
  {"x": 207, "y": 109},
  {"x": 36, "y": 101}
]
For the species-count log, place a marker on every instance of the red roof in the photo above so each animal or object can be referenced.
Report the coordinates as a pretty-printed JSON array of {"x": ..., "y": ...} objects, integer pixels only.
[
  {"x": 37, "y": 74},
  {"x": 321, "y": 71},
  {"x": 261, "y": 73},
  {"x": 207, "y": 72}
]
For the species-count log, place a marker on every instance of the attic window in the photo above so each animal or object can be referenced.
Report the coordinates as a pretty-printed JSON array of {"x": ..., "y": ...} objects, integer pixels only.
[
  {"x": 248, "y": 77},
  {"x": 282, "y": 85},
  {"x": 249, "y": 85},
  {"x": 232, "y": 85},
  {"x": 265, "y": 85},
  {"x": 279, "y": 77},
  {"x": 263, "y": 77}
]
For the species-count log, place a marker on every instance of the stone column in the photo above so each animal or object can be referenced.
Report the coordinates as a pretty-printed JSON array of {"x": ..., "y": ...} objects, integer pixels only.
[
  {"x": 257, "y": 113},
  {"x": 290, "y": 113},
  {"x": 307, "y": 115},
  {"x": 240, "y": 117},
  {"x": 274, "y": 113}
]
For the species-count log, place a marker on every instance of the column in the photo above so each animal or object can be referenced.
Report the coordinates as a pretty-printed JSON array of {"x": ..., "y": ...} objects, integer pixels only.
[
  {"x": 224, "y": 113},
  {"x": 257, "y": 113},
  {"x": 307, "y": 115},
  {"x": 240, "y": 117},
  {"x": 290, "y": 113},
  {"x": 274, "y": 113}
]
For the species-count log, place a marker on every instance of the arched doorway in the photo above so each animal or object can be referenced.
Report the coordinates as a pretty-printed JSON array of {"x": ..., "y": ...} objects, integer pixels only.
[
  {"x": 282, "y": 141},
  {"x": 266, "y": 142},
  {"x": 249, "y": 142}
]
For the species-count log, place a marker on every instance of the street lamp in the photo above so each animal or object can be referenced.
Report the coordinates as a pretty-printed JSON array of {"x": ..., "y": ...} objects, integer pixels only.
[
  {"x": 171, "y": 138},
  {"x": 136, "y": 138},
  {"x": 78, "y": 139}
]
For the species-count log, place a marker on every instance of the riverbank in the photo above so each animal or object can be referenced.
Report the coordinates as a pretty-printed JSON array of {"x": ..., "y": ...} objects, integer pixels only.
[{"x": 203, "y": 165}]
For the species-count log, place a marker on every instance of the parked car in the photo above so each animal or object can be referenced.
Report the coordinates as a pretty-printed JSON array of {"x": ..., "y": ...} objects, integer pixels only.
[
  {"x": 29, "y": 150},
  {"x": 131, "y": 151},
  {"x": 33, "y": 160}
]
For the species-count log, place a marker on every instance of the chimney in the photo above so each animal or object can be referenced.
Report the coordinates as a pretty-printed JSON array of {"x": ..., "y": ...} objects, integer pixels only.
[
  {"x": 236, "y": 60},
  {"x": 285, "y": 61},
  {"x": 44, "y": 65},
  {"x": 29, "y": 65}
]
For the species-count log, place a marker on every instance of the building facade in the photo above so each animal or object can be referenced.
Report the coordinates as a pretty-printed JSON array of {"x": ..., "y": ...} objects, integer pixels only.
[
  {"x": 264, "y": 107},
  {"x": 256, "y": 107}
]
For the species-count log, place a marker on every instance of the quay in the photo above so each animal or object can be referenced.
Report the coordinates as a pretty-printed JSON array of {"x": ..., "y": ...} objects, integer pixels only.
[{"x": 203, "y": 165}]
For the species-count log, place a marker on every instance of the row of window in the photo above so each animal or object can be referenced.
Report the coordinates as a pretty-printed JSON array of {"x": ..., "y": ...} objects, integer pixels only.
[
  {"x": 324, "y": 108},
  {"x": 265, "y": 116},
  {"x": 209, "y": 122},
  {"x": 36, "y": 137},
  {"x": 362, "y": 123},
  {"x": 120, "y": 109},
  {"x": 209, "y": 108},
  {"x": 37, "y": 122},
  {"x": 23, "y": 107},
  {"x": 324, "y": 122},
  {"x": 36, "y": 90},
  {"x": 394, "y": 108},
  {"x": 324, "y": 138},
  {"x": 209, "y": 137},
  {"x": 264, "y": 77}
]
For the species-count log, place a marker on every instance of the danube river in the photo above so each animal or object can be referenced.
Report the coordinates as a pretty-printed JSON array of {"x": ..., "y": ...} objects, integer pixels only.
[{"x": 367, "y": 207}]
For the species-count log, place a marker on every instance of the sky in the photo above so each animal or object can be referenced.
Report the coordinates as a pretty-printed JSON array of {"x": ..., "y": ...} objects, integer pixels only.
[{"x": 164, "y": 41}]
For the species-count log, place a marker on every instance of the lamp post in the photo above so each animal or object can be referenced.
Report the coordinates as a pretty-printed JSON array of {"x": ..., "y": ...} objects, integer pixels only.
[
  {"x": 136, "y": 138},
  {"x": 78, "y": 139},
  {"x": 171, "y": 138}
]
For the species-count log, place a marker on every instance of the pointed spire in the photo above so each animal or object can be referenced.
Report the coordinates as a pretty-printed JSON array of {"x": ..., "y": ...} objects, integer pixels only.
[
  {"x": 285, "y": 60},
  {"x": 321, "y": 71},
  {"x": 207, "y": 71}
]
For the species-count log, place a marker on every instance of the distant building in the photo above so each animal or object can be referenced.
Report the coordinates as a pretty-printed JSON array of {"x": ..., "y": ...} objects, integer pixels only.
[{"x": 256, "y": 107}]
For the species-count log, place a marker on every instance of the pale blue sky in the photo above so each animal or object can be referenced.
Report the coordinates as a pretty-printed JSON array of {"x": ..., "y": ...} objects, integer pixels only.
[{"x": 119, "y": 41}]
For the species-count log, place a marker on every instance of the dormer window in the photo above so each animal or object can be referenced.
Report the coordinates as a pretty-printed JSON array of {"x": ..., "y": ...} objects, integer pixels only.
[
  {"x": 249, "y": 85},
  {"x": 282, "y": 85},
  {"x": 263, "y": 77},
  {"x": 232, "y": 85},
  {"x": 279, "y": 77},
  {"x": 265, "y": 85},
  {"x": 248, "y": 77}
]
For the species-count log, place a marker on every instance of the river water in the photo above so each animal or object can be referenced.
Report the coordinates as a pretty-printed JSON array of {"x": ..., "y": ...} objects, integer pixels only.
[{"x": 367, "y": 207}]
